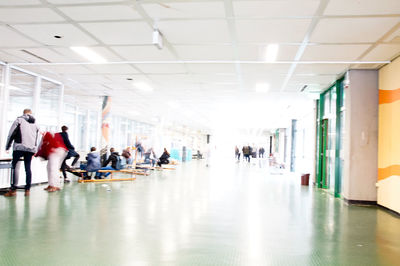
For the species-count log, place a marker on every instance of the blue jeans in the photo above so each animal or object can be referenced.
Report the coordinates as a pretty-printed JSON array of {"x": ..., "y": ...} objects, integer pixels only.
[
  {"x": 104, "y": 174},
  {"x": 27, "y": 161}
]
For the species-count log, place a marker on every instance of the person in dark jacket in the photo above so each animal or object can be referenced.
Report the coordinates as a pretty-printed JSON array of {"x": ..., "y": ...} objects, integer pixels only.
[
  {"x": 24, "y": 133},
  {"x": 71, "y": 152},
  {"x": 114, "y": 159},
  {"x": 164, "y": 158}
]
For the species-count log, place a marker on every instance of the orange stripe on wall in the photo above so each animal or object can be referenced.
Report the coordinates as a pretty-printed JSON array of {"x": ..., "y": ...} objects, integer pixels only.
[
  {"x": 389, "y": 171},
  {"x": 389, "y": 96}
]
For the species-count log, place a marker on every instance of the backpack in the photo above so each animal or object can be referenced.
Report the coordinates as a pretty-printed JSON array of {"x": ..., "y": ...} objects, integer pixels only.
[{"x": 118, "y": 164}]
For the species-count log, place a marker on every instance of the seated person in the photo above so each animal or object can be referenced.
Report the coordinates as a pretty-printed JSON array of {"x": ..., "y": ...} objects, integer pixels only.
[
  {"x": 150, "y": 157},
  {"x": 164, "y": 158},
  {"x": 115, "y": 164},
  {"x": 93, "y": 162},
  {"x": 127, "y": 154}
]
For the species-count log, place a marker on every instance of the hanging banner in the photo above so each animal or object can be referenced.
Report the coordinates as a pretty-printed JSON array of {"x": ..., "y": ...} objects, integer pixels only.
[{"x": 105, "y": 124}]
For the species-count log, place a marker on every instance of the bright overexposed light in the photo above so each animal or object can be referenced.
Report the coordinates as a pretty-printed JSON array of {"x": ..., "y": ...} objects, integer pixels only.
[
  {"x": 173, "y": 105},
  {"x": 89, "y": 54},
  {"x": 142, "y": 86},
  {"x": 272, "y": 52},
  {"x": 262, "y": 87}
]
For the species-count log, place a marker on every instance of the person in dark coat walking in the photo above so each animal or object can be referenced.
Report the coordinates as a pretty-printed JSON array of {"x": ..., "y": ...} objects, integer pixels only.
[{"x": 71, "y": 153}]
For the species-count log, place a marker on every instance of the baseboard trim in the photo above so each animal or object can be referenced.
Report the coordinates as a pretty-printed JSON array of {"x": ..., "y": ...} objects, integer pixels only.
[
  {"x": 361, "y": 202},
  {"x": 395, "y": 213}
]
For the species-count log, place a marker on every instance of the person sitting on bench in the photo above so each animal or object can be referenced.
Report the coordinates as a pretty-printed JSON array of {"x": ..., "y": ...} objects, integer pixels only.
[
  {"x": 115, "y": 164},
  {"x": 127, "y": 155},
  {"x": 150, "y": 157},
  {"x": 93, "y": 163},
  {"x": 164, "y": 158},
  {"x": 71, "y": 153}
]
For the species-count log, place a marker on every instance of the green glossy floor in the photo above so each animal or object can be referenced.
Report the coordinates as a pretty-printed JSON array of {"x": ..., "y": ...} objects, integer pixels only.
[{"x": 232, "y": 214}]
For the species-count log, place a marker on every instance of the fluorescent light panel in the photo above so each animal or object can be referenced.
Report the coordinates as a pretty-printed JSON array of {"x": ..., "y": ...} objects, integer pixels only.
[
  {"x": 262, "y": 87},
  {"x": 142, "y": 86},
  {"x": 272, "y": 52},
  {"x": 89, "y": 54}
]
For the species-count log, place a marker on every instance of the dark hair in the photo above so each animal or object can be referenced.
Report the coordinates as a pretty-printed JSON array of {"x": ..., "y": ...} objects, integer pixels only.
[
  {"x": 92, "y": 148},
  {"x": 112, "y": 150},
  {"x": 64, "y": 128}
]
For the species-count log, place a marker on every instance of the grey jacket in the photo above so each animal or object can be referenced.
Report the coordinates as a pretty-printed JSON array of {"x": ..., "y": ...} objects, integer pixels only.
[{"x": 25, "y": 137}]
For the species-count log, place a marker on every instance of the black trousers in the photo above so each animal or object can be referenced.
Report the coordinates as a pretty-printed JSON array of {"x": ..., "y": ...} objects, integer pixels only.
[
  {"x": 71, "y": 153},
  {"x": 162, "y": 161},
  {"x": 27, "y": 162}
]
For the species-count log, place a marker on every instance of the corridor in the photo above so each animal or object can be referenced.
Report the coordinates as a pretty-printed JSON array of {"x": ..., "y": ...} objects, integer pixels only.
[{"x": 226, "y": 214}]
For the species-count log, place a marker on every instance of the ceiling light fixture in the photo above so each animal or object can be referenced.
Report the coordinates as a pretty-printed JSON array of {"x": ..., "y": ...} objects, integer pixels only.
[
  {"x": 89, "y": 54},
  {"x": 272, "y": 52},
  {"x": 262, "y": 87},
  {"x": 142, "y": 86}
]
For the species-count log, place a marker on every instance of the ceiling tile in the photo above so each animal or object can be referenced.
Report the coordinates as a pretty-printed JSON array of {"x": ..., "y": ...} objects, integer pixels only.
[
  {"x": 44, "y": 33},
  {"x": 24, "y": 15},
  {"x": 205, "y": 52},
  {"x": 264, "y": 69},
  {"x": 383, "y": 52},
  {"x": 272, "y": 31},
  {"x": 212, "y": 68},
  {"x": 316, "y": 79},
  {"x": 323, "y": 69},
  {"x": 62, "y": 69},
  {"x": 62, "y": 2},
  {"x": 257, "y": 52},
  {"x": 251, "y": 9},
  {"x": 113, "y": 69},
  {"x": 108, "y": 12},
  {"x": 89, "y": 78},
  {"x": 333, "y": 52},
  {"x": 139, "y": 53},
  {"x": 195, "y": 31},
  {"x": 394, "y": 37},
  {"x": 36, "y": 55},
  {"x": 9, "y": 38},
  {"x": 364, "y": 7},
  {"x": 115, "y": 33},
  {"x": 185, "y": 10},
  {"x": 161, "y": 68},
  {"x": 331, "y": 30},
  {"x": 19, "y": 2}
]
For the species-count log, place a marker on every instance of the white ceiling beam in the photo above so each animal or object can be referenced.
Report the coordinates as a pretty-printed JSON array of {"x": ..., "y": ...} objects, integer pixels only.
[{"x": 317, "y": 16}]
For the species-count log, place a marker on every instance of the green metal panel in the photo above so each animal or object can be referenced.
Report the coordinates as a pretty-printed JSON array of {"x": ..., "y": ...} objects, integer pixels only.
[{"x": 339, "y": 104}]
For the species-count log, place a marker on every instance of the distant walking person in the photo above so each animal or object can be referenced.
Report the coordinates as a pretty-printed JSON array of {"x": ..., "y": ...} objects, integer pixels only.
[
  {"x": 261, "y": 152},
  {"x": 24, "y": 133},
  {"x": 71, "y": 153},
  {"x": 246, "y": 152},
  {"x": 237, "y": 153}
]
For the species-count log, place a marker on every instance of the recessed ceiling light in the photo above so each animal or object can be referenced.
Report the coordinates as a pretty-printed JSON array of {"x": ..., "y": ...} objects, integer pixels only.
[
  {"x": 57, "y": 36},
  {"x": 129, "y": 78},
  {"x": 89, "y": 54},
  {"x": 262, "y": 87},
  {"x": 272, "y": 52},
  {"x": 142, "y": 86}
]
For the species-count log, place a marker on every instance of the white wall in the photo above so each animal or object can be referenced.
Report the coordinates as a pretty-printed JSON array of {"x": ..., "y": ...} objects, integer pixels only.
[{"x": 361, "y": 136}]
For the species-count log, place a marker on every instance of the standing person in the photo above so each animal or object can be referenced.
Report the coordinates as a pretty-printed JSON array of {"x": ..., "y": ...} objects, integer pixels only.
[
  {"x": 24, "y": 133},
  {"x": 261, "y": 152},
  {"x": 237, "y": 153},
  {"x": 54, "y": 151},
  {"x": 71, "y": 153},
  {"x": 246, "y": 153},
  {"x": 164, "y": 158}
]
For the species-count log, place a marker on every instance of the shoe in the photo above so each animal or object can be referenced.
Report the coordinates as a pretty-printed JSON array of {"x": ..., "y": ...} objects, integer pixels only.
[
  {"x": 27, "y": 192},
  {"x": 48, "y": 187},
  {"x": 66, "y": 181},
  {"x": 54, "y": 189},
  {"x": 11, "y": 193}
]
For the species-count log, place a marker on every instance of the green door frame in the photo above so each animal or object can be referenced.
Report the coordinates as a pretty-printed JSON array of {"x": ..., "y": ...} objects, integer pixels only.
[{"x": 321, "y": 147}]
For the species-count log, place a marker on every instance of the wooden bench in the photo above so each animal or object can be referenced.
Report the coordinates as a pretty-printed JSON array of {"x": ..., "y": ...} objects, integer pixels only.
[{"x": 133, "y": 173}]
